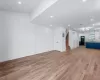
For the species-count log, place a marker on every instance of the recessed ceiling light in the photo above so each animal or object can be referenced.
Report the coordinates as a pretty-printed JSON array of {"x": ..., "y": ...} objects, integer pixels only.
[
  {"x": 69, "y": 25},
  {"x": 50, "y": 25},
  {"x": 51, "y": 16},
  {"x": 84, "y": 0},
  {"x": 91, "y": 19},
  {"x": 93, "y": 24},
  {"x": 19, "y": 2}
]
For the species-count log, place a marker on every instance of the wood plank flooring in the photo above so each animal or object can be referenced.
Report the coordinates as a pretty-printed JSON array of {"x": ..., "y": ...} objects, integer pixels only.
[{"x": 81, "y": 64}]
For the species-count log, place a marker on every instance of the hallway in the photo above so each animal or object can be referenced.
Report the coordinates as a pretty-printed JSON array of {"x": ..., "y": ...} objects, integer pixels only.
[{"x": 81, "y": 64}]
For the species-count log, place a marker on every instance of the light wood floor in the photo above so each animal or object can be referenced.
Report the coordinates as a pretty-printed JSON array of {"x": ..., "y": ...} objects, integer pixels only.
[{"x": 81, "y": 64}]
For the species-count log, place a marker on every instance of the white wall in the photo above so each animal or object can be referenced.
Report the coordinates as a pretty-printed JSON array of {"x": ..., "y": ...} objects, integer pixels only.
[
  {"x": 59, "y": 40},
  {"x": 44, "y": 39},
  {"x": 73, "y": 39},
  {"x": 19, "y": 37},
  {"x": 1, "y": 34},
  {"x": 17, "y": 34}
]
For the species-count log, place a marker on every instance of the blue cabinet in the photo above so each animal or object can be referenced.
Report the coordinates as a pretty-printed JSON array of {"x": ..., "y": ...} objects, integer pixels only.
[{"x": 93, "y": 45}]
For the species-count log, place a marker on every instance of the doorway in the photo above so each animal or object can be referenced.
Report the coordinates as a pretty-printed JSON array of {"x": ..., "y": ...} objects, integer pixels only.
[
  {"x": 67, "y": 42},
  {"x": 82, "y": 40}
]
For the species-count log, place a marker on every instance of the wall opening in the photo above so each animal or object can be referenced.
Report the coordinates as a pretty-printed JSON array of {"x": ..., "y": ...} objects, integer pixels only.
[{"x": 67, "y": 43}]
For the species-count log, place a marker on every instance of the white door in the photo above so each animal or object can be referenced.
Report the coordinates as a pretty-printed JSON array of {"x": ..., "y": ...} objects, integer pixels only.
[{"x": 59, "y": 40}]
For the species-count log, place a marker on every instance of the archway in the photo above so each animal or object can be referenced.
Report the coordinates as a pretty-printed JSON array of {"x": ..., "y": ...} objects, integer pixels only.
[{"x": 67, "y": 43}]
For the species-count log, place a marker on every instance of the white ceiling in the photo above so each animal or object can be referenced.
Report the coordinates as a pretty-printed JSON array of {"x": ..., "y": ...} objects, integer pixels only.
[
  {"x": 27, "y": 6},
  {"x": 75, "y": 13}
]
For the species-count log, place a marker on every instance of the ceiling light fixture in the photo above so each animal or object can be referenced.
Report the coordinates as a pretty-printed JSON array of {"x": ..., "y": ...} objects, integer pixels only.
[
  {"x": 93, "y": 24},
  {"x": 50, "y": 25},
  {"x": 69, "y": 25},
  {"x": 19, "y": 2},
  {"x": 91, "y": 19},
  {"x": 51, "y": 16},
  {"x": 84, "y": 0},
  {"x": 85, "y": 28}
]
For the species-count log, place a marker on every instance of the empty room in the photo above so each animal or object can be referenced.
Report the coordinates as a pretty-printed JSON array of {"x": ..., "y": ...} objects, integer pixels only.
[{"x": 49, "y": 39}]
